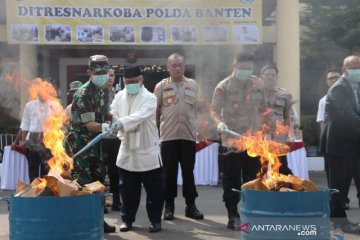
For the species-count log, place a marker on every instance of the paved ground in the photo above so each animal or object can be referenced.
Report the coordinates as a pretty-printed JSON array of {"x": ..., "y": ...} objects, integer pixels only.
[{"x": 211, "y": 228}]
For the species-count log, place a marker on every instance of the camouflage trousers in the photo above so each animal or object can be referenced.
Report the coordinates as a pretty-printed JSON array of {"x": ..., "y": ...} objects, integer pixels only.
[{"x": 88, "y": 166}]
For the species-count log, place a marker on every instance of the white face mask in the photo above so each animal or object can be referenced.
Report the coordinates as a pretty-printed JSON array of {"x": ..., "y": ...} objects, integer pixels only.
[
  {"x": 353, "y": 75},
  {"x": 243, "y": 75},
  {"x": 100, "y": 80},
  {"x": 132, "y": 88}
]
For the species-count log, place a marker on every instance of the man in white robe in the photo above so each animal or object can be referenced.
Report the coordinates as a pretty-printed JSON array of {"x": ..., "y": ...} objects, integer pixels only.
[{"x": 139, "y": 160}]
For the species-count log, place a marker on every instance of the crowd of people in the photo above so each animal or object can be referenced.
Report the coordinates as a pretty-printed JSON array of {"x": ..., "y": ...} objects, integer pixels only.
[{"x": 152, "y": 134}]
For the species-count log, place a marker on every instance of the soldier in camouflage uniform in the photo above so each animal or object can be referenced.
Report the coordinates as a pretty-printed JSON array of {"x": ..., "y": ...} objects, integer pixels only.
[
  {"x": 238, "y": 103},
  {"x": 89, "y": 112},
  {"x": 279, "y": 102}
]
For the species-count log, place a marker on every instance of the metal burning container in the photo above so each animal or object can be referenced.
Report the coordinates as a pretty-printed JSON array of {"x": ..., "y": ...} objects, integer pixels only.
[
  {"x": 70, "y": 217},
  {"x": 285, "y": 215}
]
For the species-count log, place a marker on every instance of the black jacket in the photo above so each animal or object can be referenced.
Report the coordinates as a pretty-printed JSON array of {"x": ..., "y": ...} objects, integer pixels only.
[{"x": 341, "y": 133}]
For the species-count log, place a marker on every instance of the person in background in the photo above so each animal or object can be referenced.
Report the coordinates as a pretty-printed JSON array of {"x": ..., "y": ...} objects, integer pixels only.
[
  {"x": 238, "y": 103},
  {"x": 278, "y": 102},
  {"x": 139, "y": 159},
  {"x": 331, "y": 78},
  {"x": 89, "y": 113},
  {"x": 110, "y": 146},
  {"x": 35, "y": 113},
  {"x": 74, "y": 86},
  {"x": 178, "y": 104},
  {"x": 340, "y": 139}
]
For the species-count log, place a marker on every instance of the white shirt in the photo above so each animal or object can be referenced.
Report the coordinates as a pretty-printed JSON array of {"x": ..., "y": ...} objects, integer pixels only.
[
  {"x": 140, "y": 145},
  {"x": 35, "y": 113},
  {"x": 321, "y": 110}
]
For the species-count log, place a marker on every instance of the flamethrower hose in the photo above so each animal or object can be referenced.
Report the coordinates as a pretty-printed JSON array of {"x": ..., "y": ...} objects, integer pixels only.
[{"x": 94, "y": 141}]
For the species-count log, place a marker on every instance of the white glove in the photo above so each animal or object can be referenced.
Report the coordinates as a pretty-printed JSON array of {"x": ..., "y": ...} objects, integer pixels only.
[
  {"x": 105, "y": 127},
  {"x": 221, "y": 127},
  {"x": 115, "y": 126}
]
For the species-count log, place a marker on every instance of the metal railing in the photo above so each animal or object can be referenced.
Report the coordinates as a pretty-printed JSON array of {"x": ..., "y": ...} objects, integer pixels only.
[{"x": 5, "y": 139}]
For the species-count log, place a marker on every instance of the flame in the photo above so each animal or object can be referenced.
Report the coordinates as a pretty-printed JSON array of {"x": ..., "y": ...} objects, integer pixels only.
[
  {"x": 269, "y": 152},
  {"x": 53, "y": 134}
]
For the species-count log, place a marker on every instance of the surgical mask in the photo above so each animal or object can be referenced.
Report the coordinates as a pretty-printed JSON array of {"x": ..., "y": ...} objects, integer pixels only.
[
  {"x": 243, "y": 75},
  {"x": 353, "y": 75},
  {"x": 132, "y": 88},
  {"x": 100, "y": 80}
]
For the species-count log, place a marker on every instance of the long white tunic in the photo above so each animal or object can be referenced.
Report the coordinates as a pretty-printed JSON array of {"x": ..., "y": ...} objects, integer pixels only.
[{"x": 140, "y": 149}]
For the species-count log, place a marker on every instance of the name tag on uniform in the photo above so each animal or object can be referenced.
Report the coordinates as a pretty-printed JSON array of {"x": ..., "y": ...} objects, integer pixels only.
[
  {"x": 168, "y": 87},
  {"x": 87, "y": 117}
]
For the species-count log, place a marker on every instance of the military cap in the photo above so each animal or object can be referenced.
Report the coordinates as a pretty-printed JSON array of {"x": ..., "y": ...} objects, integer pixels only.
[
  {"x": 75, "y": 85},
  {"x": 99, "y": 64}
]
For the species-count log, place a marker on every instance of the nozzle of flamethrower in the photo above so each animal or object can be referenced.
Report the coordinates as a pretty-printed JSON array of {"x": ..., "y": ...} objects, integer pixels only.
[
  {"x": 226, "y": 135},
  {"x": 95, "y": 140}
]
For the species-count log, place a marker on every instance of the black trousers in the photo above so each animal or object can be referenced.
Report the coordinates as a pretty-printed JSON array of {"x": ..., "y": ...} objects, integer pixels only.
[
  {"x": 238, "y": 168},
  {"x": 284, "y": 169},
  {"x": 110, "y": 149},
  {"x": 341, "y": 171},
  {"x": 175, "y": 152},
  {"x": 36, "y": 167},
  {"x": 130, "y": 190},
  {"x": 37, "y": 156}
]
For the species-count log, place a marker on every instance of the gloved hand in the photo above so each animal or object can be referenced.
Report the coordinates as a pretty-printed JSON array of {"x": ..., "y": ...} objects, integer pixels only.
[
  {"x": 117, "y": 125},
  {"x": 221, "y": 127},
  {"x": 105, "y": 127}
]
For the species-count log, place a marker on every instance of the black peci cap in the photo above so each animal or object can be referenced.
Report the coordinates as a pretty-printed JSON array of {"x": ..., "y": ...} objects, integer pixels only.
[{"x": 131, "y": 72}]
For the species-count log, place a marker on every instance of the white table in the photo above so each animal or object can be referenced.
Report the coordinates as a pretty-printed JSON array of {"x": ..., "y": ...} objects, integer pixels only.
[
  {"x": 14, "y": 168},
  {"x": 298, "y": 163},
  {"x": 206, "y": 169}
]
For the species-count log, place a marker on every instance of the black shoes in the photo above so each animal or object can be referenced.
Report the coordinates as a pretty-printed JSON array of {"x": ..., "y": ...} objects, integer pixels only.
[
  {"x": 233, "y": 216},
  {"x": 108, "y": 228},
  {"x": 193, "y": 212},
  {"x": 125, "y": 227},
  {"x": 233, "y": 223},
  {"x": 350, "y": 228},
  {"x": 155, "y": 227},
  {"x": 169, "y": 213}
]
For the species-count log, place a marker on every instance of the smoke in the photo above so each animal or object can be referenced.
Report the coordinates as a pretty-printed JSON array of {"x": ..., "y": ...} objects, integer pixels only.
[
  {"x": 213, "y": 63},
  {"x": 10, "y": 85}
]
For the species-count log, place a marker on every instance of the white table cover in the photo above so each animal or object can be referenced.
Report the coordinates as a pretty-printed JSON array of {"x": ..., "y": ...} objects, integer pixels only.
[
  {"x": 206, "y": 170},
  {"x": 14, "y": 168},
  {"x": 297, "y": 162}
]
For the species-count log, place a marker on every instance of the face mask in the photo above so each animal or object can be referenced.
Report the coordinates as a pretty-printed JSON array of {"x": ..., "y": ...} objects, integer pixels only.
[
  {"x": 353, "y": 75},
  {"x": 243, "y": 75},
  {"x": 133, "y": 88},
  {"x": 100, "y": 80}
]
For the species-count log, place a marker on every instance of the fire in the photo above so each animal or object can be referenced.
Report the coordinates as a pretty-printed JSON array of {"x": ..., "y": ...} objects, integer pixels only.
[
  {"x": 269, "y": 152},
  {"x": 53, "y": 134}
]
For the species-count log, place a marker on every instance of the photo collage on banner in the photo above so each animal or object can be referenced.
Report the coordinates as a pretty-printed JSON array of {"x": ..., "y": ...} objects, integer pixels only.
[{"x": 156, "y": 22}]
